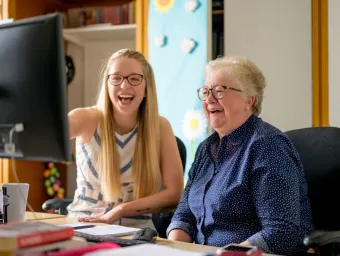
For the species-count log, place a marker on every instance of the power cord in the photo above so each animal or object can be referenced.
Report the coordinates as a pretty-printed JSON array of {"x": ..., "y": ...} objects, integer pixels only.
[{"x": 10, "y": 149}]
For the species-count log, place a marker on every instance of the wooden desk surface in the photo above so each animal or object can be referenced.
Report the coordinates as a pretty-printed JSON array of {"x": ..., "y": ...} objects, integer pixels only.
[
  {"x": 41, "y": 215},
  {"x": 61, "y": 219},
  {"x": 161, "y": 241}
]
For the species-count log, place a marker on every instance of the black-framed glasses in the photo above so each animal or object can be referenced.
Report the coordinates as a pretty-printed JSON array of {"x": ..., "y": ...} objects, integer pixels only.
[
  {"x": 133, "y": 79},
  {"x": 217, "y": 91}
]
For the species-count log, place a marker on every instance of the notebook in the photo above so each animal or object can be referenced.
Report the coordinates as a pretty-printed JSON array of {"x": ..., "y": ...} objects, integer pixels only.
[{"x": 114, "y": 230}]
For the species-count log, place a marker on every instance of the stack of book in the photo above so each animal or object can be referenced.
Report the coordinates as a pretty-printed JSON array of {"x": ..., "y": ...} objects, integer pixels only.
[
  {"x": 114, "y": 15},
  {"x": 37, "y": 238}
]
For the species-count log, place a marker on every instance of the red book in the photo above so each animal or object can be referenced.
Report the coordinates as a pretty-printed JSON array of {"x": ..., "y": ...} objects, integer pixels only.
[{"x": 27, "y": 234}]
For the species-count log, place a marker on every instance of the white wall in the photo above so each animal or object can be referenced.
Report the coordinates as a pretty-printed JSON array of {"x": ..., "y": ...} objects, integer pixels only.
[
  {"x": 276, "y": 35},
  {"x": 334, "y": 61},
  {"x": 95, "y": 56}
]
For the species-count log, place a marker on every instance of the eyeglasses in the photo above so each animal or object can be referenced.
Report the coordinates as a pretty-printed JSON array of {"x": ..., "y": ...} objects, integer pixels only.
[
  {"x": 217, "y": 91},
  {"x": 133, "y": 79}
]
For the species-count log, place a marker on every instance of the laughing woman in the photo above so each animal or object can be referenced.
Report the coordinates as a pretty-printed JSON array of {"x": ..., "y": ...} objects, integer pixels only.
[
  {"x": 128, "y": 163},
  {"x": 247, "y": 182}
]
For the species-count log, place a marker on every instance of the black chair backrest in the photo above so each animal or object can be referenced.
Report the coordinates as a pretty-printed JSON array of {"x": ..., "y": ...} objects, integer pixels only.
[
  {"x": 319, "y": 150},
  {"x": 182, "y": 151}
]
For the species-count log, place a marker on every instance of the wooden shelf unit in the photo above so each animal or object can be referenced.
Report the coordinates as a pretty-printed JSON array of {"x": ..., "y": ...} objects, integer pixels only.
[
  {"x": 32, "y": 171},
  {"x": 83, "y": 35}
]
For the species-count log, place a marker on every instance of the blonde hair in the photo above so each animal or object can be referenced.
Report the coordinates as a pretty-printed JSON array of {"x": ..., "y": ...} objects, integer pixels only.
[
  {"x": 145, "y": 165},
  {"x": 248, "y": 76}
]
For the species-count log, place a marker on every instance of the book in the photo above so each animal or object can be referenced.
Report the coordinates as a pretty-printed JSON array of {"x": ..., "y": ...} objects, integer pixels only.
[
  {"x": 26, "y": 234},
  {"x": 65, "y": 245}
]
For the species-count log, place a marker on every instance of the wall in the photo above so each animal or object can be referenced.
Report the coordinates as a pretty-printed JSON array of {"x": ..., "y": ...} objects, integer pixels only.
[
  {"x": 276, "y": 35},
  {"x": 334, "y": 62},
  {"x": 95, "y": 56},
  {"x": 75, "y": 100}
]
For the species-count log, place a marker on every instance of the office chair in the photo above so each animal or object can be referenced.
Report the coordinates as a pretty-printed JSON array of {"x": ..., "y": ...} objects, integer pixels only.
[
  {"x": 319, "y": 150},
  {"x": 161, "y": 220}
]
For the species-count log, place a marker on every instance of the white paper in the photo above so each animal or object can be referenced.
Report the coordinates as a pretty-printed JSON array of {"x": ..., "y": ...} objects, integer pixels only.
[
  {"x": 145, "y": 249},
  {"x": 114, "y": 230}
]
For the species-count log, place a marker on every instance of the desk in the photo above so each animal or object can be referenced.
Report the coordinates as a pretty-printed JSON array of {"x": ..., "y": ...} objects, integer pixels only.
[
  {"x": 61, "y": 219},
  {"x": 161, "y": 241},
  {"x": 41, "y": 216}
]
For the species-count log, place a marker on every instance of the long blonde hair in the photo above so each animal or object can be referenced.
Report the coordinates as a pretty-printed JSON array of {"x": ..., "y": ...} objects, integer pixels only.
[{"x": 145, "y": 165}]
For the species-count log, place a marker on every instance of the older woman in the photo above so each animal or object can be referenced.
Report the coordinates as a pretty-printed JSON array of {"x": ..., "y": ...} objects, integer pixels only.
[{"x": 247, "y": 182}]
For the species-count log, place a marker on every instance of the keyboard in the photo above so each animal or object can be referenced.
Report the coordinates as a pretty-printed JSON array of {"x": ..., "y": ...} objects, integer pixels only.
[{"x": 107, "y": 238}]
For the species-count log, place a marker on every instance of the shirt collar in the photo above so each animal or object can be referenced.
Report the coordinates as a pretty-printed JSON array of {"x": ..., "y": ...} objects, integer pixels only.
[{"x": 234, "y": 138}]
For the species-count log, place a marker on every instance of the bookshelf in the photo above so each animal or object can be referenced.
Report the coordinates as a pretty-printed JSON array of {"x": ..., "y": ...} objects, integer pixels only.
[
  {"x": 88, "y": 46},
  {"x": 91, "y": 2},
  {"x": 82, "y": 36}
]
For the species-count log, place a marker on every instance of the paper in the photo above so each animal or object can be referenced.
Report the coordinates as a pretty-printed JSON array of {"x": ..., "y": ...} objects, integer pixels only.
[
  {"x": 114, "y": 230},
  {"x": 146, "y": 249}
]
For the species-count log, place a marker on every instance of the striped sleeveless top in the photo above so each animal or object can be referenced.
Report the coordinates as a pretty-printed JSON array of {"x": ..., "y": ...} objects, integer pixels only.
[{"x": 88, "y": 198}]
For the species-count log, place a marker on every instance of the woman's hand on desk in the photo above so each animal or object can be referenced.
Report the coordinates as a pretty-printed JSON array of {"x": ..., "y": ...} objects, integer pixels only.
[{"x": 109, "y": 217}]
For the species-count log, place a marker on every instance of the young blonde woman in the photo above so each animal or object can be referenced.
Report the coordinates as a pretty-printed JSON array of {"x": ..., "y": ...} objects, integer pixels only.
[{"x": 128, "y": 163}]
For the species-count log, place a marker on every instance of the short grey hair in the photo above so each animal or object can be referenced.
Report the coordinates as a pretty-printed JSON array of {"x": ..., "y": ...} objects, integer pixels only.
[{"x": 246, "y": 74}]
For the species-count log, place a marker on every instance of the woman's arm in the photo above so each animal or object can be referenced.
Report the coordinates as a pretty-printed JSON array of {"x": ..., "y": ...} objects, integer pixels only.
[
  {"x": 183, "y": 223},
  {"x": 172, "y": 183},
  {"x": 278, "y": 191},
  {"x": 82, "y": 123},
  {"x": 180, "y": 235}
]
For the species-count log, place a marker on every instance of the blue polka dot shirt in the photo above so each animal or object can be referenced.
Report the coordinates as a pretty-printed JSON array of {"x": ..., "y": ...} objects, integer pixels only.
[{"x": 251, "y": 188}]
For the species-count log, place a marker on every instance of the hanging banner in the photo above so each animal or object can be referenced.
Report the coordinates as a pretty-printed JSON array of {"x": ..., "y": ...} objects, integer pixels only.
[{"x": 178, "y": 53}]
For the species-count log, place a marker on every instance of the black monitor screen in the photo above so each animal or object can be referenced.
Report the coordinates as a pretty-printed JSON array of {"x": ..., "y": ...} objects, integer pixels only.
[{"x": 33, "y": 89}]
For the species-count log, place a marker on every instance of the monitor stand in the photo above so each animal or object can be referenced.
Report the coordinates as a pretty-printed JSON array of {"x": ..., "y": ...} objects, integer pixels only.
[{"x": 9, "y": 146}]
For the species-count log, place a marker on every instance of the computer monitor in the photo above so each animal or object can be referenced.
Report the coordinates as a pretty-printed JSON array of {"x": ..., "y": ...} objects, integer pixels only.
[{"x": 33, "y": 89}]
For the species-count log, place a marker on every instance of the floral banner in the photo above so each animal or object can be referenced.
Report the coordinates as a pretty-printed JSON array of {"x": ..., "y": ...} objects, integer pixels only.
[{"x": 178, "y": 53}]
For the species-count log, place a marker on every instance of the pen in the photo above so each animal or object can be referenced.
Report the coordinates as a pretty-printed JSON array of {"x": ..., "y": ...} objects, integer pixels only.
[{"x": 85, "y": 226}]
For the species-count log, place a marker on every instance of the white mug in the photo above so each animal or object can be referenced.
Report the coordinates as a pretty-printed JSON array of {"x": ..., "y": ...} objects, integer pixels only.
[{"x": 14, "y": 201}]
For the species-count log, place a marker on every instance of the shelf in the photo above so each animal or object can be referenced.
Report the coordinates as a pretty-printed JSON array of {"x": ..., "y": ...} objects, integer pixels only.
[
  {"x": 66, "y": 4},
  {"x": 82, "y": 36},
  {"x": 216, "y": 12},
  {"x": 95, "y": 2}
]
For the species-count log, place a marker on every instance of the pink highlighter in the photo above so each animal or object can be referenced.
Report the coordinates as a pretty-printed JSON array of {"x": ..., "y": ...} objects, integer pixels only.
[{"x": 81, "y": 251}]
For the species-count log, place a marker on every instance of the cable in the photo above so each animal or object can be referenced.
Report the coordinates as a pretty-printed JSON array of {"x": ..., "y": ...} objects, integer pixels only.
[{"x": 10, "y": 149}]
